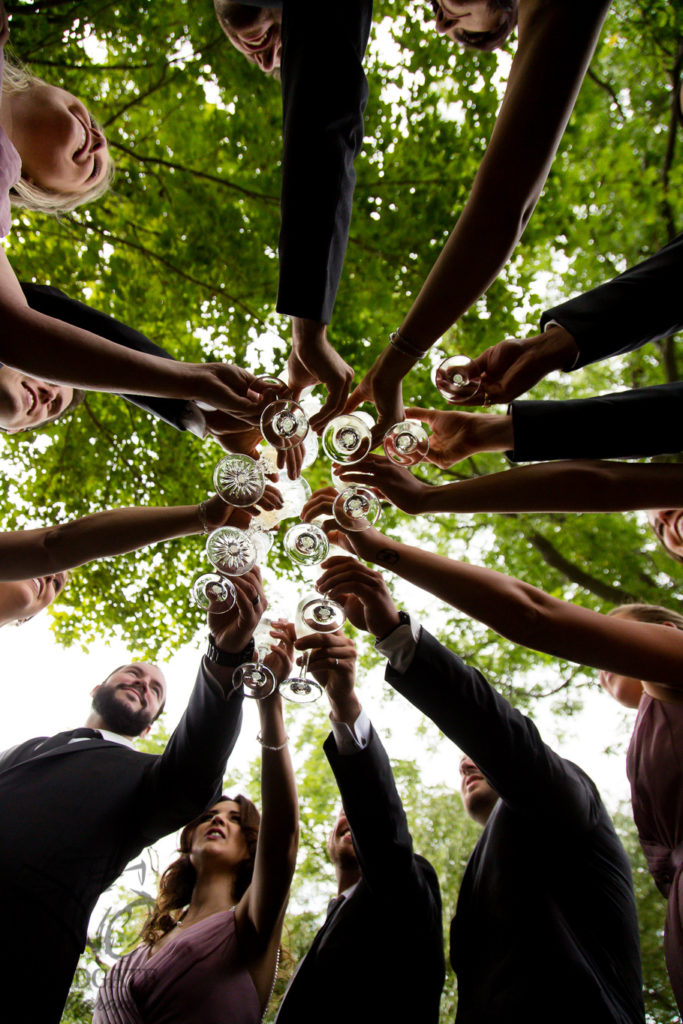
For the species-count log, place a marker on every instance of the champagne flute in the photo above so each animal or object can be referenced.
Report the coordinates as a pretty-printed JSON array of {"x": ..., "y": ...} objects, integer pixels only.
[
  {"x": 347, "y": 439},
  {"x": 406, "y": 443},
  {"x": 231, "y": 551},
  {"x": 356, "y": 508},
  {"x": 320, "y": 613},
  {"x": 306, "y": 544},
  {"x": 257, "y": 679},
  {"x": 213, "y": 585},
  {"x": 300, "y": 688},
  {"x": 284, "y": 424},
  {"x": 239, "y": 480},
  {"x": 453, "y": 380}
]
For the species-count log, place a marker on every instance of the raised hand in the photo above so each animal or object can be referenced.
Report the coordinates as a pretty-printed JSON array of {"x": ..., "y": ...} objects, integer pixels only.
[
  {"x": 281, "y": 656},
  {"x": 381, "y": 385},
  {"x": 232, "y": 630},
  {"x": 362, "y": 592},
  {"x": 226, "y": 388},
  {"x": 513, "y": 366},
  {"x": 363, "y": 543},
  {"x": 313, "y": 360},
  {"x": 457, "y": 435},
  {"x": 388, "y": 480},
  {"x": 332, "y": 662}
]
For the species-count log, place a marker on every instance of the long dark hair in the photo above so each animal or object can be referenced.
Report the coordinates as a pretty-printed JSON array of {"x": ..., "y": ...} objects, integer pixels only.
[{"x": 178, "y": 880}]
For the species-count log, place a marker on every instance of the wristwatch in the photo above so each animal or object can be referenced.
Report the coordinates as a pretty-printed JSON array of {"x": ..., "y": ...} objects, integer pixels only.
[
  {"x": 403, "y": 620},
  {"x": 227, "y": 659}
]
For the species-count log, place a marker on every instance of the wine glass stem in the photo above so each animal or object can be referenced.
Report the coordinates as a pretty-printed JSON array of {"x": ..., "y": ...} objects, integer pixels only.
[{"x": 303, "y": 671}]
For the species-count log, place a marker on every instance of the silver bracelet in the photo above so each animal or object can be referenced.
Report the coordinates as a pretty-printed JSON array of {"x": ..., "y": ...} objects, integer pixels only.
[
  {"x": 405, "y": 347},
  {"x": 201, "y": 513},
  {"x": 266, "y": 746}
]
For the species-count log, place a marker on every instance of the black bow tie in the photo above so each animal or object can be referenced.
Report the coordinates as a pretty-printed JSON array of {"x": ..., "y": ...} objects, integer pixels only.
[{"x": 62, "y": 739}]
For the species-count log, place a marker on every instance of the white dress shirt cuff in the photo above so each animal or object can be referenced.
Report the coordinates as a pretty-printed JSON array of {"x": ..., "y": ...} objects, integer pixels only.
[
  {"x": 193, "y": 420},
  {"x": 400, "y": 646},
  {"x": 352, "y": 738}
]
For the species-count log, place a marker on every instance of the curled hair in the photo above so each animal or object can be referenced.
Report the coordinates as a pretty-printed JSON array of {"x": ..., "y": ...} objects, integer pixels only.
[
  {"x": 17, "y": 78},
  {"x": 178, "y": 880},
  {"x": 507, "y": 9},
  {"x": 654, "y": 613}
]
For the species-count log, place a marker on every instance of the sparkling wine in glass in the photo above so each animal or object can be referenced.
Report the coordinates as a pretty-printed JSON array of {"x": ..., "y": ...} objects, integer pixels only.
[
  {"x": 356, "y": 508},
  {"x": 212, "y": 585},
  {"x": 231, "y": 551},
  {"x": 406, "y": 443},
  {"x": 347, "y": 439},
  {"x": 284, "y": 424},
  {"x": 239, "y": 480},
  {"x": 306, "y": 544},
  {"x": 453, "y": 380}
]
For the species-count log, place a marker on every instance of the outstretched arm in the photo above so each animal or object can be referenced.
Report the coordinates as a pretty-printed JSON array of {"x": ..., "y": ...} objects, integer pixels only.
[
  {"x": 579, "y": 486},
  {"x": 520, "y": 612},
  {"x": 260, "y": 912},
  {"x": 51, "y": 350},
  {"x": 556, "y": 43},
  {"x": 26, "y": 553}
]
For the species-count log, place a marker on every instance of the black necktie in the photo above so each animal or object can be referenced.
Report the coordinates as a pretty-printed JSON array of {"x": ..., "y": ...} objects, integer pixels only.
[{"x": 62, "y": 739}]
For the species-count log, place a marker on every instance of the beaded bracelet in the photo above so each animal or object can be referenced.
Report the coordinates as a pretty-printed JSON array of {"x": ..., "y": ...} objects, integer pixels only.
[{"x": 266, "y": 746}]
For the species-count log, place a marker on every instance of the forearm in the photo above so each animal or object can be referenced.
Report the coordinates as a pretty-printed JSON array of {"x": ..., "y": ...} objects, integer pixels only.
[
  {"x": 579, "y": 486},
  {"x": 51, "y": 350},
  {"x": 522, "y": 613},
  {"x": 53, "y": 549},
  {"x": 556, "y": 42}
]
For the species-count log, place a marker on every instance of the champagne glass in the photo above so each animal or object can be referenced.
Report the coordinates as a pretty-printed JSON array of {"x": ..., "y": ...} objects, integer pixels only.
[
  {"x": 213, "y": 585},
  {"x": 256, "y": 678},
  {"x": 453, "y": 380},
  {"x": 306, "y": 544},
  {"x": 261, "y": 538},
  {"x": 231, "y": 551},
  {"x": 347, "y": 439},
  {"x": 239, "y": 480},
  {"x": 300, "y": 688},
  {"x": 284, "y": 424},
  {"x": 311, "y": 449},
  {"x": 320, "y": 613},
  {"x": 406, "y": 443},
  {"x": 356, "y": 508}
]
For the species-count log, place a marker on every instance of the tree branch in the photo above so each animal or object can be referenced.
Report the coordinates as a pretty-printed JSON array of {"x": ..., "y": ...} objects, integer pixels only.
[
  {"x": 158, "y": 161},
  {"x": 213, "y": 289},
  {"x": 609, "y": 90}
]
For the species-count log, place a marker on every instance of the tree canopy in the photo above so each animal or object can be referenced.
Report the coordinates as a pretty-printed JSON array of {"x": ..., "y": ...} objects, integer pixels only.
[{"x": 184, "y": 248}]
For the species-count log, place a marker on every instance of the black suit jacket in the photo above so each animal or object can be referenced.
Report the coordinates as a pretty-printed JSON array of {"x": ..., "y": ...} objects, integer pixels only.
[
  {"x": 55, "y": 303},
  {"x": 324, "y": 92},
  {"x": 546, "y": 925},
  {"x": 380, "y": 958},
  {"x": 72, "y": 818},
  {"x": 643, "y": 304}
]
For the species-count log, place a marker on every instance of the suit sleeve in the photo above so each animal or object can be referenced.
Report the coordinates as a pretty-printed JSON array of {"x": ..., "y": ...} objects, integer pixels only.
[
  {"x": 629, "y": 424},
  {"x": 380, "y": 831},
  {"x": 188, "y": 776},
  {"x": 324, "y": 92},
  {"x": 643, "y": 304},
  {"x": 53, "y": 302},
  {"x": 504, "y": 744}
]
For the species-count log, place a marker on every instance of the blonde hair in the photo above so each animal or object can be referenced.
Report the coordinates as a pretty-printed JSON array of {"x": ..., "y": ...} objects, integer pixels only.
[{"x": 17, "y": 78}]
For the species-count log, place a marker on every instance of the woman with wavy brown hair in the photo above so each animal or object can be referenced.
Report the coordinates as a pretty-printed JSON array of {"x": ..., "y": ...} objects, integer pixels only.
[{"x": 210, "y": 949}]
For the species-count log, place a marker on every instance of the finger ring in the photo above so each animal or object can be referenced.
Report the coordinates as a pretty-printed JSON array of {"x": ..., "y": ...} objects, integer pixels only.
[
  {"x": 336, "y": 661},
  {"x": 256, "y": 600}
]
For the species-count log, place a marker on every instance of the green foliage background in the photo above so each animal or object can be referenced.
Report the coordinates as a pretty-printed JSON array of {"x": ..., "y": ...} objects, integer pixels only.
[{"x": 184, "y": 249}]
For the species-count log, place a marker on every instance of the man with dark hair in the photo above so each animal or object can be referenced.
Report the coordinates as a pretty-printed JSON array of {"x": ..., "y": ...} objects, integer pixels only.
[
  {"x": 77, "y": 807},
  {"x": 546, "y": 926},
  {"x": 388, "y": 907},
  {"x": 27, "y": 403}
]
